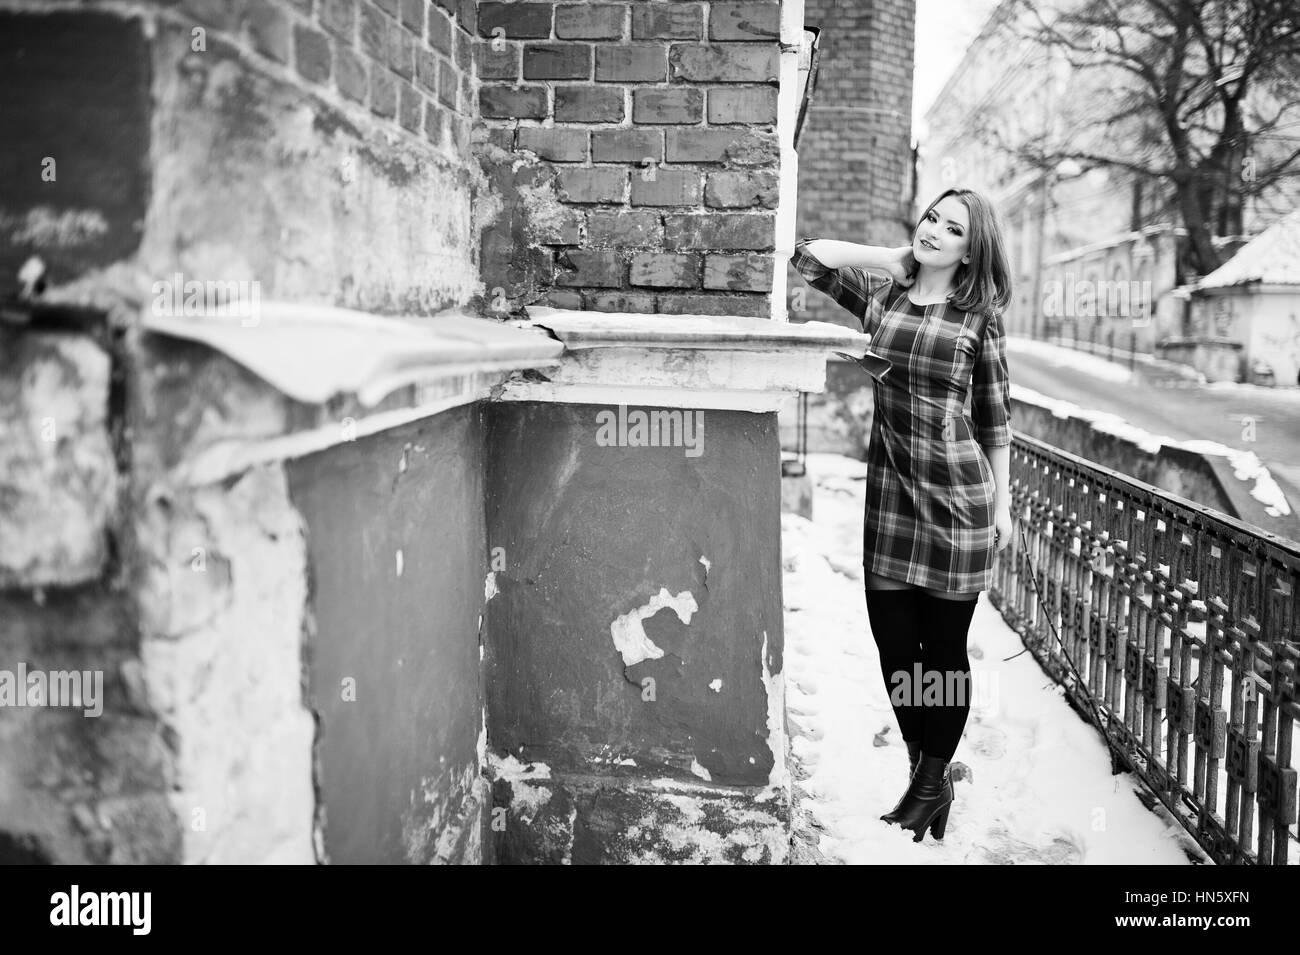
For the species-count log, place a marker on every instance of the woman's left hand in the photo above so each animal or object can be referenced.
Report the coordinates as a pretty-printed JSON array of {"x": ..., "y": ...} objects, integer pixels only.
[{"x": 1002, "y": 528}]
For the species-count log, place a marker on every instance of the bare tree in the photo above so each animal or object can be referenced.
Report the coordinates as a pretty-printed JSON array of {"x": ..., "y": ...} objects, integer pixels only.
[{"x": 1200, "y": 90}]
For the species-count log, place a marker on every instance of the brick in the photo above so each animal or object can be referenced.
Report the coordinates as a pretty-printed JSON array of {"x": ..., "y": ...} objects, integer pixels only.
[
  {"x": 426, "y": 69},
  {"x": 743, "y": 147},
  {"x": 557, "y": 145},
  {"x": 219, "y": 13},
  {"x": 519, "y": 21},
  {"x": 621, "y": 229},
  {"x": 682, "y": 105},
  {"x": 338, "y": 17},
  {"x": 668, "y": 187},
  {"x": 383, "y": 94},
  {"x": 447, "y": 85},
  {"x": 667, "y": 21},
  {"x": 742, "y": 105},
  {"x": 467, "y": 15},
  {"x": 435, "y": 119},
  {"x": 512, "y": 102},
  {"x": 627, "y": 145},
  {"x": 589, "y": 104},
  {"x": 634, "y": 62},
  {"x": 410, "y": 106},
  {"x": 752, "y": 20},
  {"x": 600, "y": 269},
  {"x": 350, "y": 74},
  {"x": 590, "y": 21},
  {"x": 499, "y": 64},
  {"x": 744, "y": 189},
  {"x": 738, "y": 273},
  {"x": 719, "y": 230},
  {"x": 756, "y": 306},
  {"x": 664, "y": 270},
  {"x": 464, "y": 51},
  {"x": 557, "y": 61},
  {"x": 401, "y": 53},
  {"x": 642, "y": 302},
  {"x": 439, "y": 36},
  {"x": 562, "y": 228},
  {"x": 413, "y": 12},
  {"x": 723, "y": 64},
  {"x": 466, "y": 90},
  {"x": 594, "y": 184},
  {"x": 375, "y": 29},
  {"x": 312, "y": 52},
  {"x": 269, "y": 30},
  {"x": 563, "y": 298}
]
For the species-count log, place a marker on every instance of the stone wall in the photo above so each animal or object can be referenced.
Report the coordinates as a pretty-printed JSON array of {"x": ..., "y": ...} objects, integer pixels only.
[{"x": 316, "y": 153}]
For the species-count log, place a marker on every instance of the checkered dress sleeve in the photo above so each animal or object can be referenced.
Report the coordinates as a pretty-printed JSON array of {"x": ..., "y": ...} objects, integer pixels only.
[
  {"x": 853, "y": 288},
  {"x": 991, "y": 386}
]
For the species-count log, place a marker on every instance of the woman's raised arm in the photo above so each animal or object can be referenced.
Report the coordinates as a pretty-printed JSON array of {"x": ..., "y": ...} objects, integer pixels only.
[{"x": 835, "y": 254}]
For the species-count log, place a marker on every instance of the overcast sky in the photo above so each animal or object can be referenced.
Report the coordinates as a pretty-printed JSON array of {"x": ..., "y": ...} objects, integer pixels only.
[{"x": 944, "y": 28}]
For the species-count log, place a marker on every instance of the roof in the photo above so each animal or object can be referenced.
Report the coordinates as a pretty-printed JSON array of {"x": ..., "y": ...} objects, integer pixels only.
[{"x": 1271, "y": 258}]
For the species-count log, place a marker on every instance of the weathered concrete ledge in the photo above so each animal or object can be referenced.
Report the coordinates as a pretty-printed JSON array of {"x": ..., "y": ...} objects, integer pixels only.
[
  {"x": 687, "y": 361},
  {"x": 336, "y": 375}
]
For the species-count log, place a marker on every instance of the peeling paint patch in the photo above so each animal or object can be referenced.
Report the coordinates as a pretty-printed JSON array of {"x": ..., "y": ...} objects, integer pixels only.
[
  {"x": 705, "y": 561},
  {"x": 490, "y": 586},
  {"x": 716, "y": 685},
  {"x": 700, "y": 771},
  {"x": 526, "y": 798},
  {"x": 59, "y": 228},
  {"x": 629, "y": 635},
  {"x": 778, "y": 779}
]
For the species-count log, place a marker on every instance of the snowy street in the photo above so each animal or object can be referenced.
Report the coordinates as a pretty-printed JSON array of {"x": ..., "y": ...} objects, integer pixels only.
[{"x": 1038, "y": 787}]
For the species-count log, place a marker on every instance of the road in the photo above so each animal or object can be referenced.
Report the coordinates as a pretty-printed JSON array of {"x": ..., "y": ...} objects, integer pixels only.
[{"x": 1162, "y": 400}]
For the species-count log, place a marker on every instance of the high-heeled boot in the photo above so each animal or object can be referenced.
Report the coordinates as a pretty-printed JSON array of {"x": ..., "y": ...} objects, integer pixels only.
[
  {"x": 913, "y": 757},
  {"x": 928, "y": 798}
]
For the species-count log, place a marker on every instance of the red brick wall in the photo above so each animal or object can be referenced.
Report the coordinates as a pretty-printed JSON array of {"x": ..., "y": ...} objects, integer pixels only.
[
  {"x": 648, "y": 131},
  {"x": 855, "y": 155}
]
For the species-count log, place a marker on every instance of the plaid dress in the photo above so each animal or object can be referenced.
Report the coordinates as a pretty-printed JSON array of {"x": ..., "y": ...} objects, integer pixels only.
[{"x": 930, "y": 489}]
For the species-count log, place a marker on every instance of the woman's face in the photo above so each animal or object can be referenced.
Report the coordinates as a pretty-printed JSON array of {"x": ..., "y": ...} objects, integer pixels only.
[{"x": 943, "y": 236}]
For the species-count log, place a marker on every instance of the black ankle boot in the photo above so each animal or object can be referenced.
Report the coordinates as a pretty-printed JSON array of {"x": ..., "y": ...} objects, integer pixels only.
[
  {"x": 913, "y": 757},
  {"x": 927, "y": 800}
]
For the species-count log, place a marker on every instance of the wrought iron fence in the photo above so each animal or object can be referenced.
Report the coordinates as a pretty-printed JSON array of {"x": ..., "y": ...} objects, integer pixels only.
[{"x": 1144, "y": 587}]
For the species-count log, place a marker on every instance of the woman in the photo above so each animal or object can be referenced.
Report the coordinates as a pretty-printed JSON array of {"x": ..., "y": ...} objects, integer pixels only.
[{"x": 938, "y": 502}]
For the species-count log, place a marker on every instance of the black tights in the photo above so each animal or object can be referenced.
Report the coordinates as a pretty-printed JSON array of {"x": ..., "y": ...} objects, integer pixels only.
[{"x": 913, "y": 627}]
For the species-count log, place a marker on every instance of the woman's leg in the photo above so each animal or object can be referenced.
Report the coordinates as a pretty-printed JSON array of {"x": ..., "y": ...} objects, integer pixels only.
[
  {"x": 892, "y": 608},
  {"x": 945, "y": 626}
]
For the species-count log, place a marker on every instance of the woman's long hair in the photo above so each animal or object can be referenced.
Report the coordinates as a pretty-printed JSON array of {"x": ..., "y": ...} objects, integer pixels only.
[{"x": 985, "y": 284}]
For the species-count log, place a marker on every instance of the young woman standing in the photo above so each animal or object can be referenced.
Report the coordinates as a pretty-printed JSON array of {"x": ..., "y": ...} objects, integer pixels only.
[{"x": 938, "y": 502}]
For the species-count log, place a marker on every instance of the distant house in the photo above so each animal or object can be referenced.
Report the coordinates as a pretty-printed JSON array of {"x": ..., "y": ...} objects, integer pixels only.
[{"x": 1245, "y": 315}]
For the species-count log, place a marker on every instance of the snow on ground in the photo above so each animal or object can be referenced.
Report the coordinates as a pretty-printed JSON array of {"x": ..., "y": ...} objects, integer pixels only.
[
  {"x": 1246, "y": 465},
  {"x": 1040, "y": 789},
  {"x": 1063, "y": 357}
]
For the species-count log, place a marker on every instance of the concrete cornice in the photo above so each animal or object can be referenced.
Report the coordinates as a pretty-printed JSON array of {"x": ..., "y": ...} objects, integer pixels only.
[{"x": 687, "y": 361}]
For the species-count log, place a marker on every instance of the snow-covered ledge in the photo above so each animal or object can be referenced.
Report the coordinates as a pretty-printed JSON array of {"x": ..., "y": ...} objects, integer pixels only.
[
  {"x": 686, "y": 361},
  {"x": 355, "y": 373}
]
